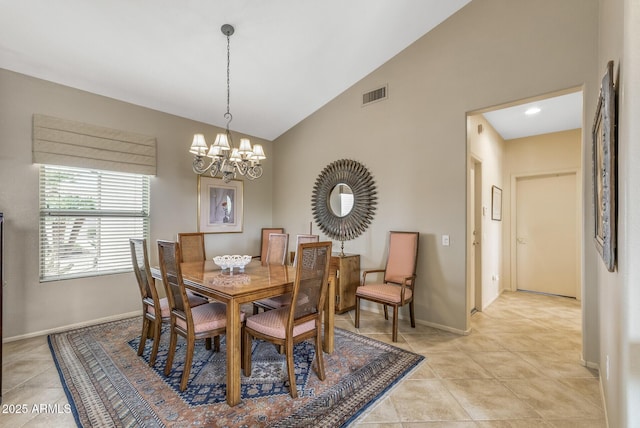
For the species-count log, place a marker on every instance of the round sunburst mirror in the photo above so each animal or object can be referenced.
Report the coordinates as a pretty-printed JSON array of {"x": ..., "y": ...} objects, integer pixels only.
[{"x": 344, "y": 200}]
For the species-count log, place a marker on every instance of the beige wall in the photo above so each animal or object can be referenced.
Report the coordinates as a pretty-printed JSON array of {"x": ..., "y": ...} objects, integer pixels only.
[
  {"x": 489, "y": 53},
  {"x": 488, "y": 147},
  {"x": 31, "y": 307},
  {"x": 618, "y": 292},
  {"x": 540, "y": 154},
  {"x": 629, "y": 149}
]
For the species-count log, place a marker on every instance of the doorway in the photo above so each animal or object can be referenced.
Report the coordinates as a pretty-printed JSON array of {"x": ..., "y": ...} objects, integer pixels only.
[
  {"x": 539, "y": 127},
  {"x": 547, "y": 235}
]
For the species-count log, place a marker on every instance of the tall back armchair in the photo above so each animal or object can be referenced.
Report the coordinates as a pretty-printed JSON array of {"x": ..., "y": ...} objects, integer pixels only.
[
  {"x": 277, "y": 249},
  {"x": 192, "y": 246},
  {"x": 398, "y": 283},
  {"x": 304, "y": 239},
  {"x": 264, "y": 241}
]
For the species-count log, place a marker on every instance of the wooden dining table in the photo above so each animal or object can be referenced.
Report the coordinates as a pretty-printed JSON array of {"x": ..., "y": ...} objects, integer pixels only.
[{"x": 255, "y": 283}]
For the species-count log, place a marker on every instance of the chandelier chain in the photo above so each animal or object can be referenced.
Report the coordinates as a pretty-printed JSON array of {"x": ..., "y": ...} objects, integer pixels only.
[
  {"x": 226, "y": 159},
  {"x": 228, "y": 73}
]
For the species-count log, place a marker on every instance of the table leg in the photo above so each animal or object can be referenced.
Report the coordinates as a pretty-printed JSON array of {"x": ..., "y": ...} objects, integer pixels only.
[
  {"x": 233, "y": 353},
  {"x": 329, "y": 314}
]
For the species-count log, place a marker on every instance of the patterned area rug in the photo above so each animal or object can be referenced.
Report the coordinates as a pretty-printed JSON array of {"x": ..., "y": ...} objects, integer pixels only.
[{"x": 109, "y": 385}]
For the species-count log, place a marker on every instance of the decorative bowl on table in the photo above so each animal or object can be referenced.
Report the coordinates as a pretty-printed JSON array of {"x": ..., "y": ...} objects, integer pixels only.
[{"x": 228, "y": 262}]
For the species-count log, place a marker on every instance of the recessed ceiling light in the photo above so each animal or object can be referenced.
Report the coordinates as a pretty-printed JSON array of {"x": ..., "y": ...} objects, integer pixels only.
[{"x": 532, "y": 110}]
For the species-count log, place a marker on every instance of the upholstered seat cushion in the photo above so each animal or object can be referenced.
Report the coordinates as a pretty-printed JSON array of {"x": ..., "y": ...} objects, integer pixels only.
[
  {"x": 164, "y": 308},
  {"x": 283, "y": 300},
  {"x": 208, "y": 317},
  {"x": 276, "y": 301},
  {"x": 388, "y": 292},
  {"x": 195, "y": 300},
  {"x": 273, "y": 323},
  {"x": 164, "y": 304}
]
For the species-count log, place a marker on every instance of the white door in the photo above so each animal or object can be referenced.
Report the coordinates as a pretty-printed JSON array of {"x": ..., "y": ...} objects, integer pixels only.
[{"x": 546, "y": 234}]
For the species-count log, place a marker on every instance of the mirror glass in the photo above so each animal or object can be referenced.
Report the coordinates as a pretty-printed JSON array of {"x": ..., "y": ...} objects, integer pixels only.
[{"x": 341, "y": 200}]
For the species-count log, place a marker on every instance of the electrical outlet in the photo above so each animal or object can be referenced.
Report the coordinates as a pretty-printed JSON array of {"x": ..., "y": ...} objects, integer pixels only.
[
  {"x": 606, "y": 372},
  {"x": 445, "y": 240}
]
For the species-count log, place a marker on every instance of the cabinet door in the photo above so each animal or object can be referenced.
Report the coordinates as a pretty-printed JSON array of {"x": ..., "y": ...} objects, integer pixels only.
[{"x": 347, "y": 270}]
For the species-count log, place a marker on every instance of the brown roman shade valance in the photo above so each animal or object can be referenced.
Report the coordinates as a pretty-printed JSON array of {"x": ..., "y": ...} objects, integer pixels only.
[{"x": 76, "y": 144}]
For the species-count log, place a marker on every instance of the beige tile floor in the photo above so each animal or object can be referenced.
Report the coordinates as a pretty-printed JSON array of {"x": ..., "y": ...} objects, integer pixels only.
[{"x": 520, "y": 367}]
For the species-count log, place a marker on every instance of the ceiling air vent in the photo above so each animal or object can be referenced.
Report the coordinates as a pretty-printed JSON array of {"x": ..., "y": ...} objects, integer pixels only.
[{"x": 375, "y": 95}]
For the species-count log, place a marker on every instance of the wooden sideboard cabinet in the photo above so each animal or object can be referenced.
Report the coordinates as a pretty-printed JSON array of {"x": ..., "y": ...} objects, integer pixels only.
[{"x": 347, "y": 272}]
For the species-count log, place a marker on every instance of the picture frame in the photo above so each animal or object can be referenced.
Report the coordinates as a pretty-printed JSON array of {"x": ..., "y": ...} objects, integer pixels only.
[
  {"x": 496, "y": 203},
  {"x": 605, "y": 171},
  {"x": 220, "y": 205}
]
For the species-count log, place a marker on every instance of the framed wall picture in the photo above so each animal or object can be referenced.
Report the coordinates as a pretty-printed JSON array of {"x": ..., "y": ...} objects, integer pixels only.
[
  {"x": 220, "y": 208},
  {"x": 605, "y": 170},
  {"x": 496, "y": 203}
]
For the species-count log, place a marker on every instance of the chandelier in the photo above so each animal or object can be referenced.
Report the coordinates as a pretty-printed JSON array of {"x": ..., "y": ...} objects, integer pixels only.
[{"x": 226, "y": 159}]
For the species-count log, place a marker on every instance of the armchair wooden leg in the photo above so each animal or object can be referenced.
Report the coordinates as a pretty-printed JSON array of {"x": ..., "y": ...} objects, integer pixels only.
[
  {"x": 172, "y": 351},
  {"x": 386, "y": 314},
  {"x": 293, "y": 388},
  {"x": 395, "y": 324},
  {"x": 412, "y": 314},
  {"x": 255, "y": 310},
  {"x": 188, "y": 359},
  {"x": 157, "y": 326},
  {"x": 319, "y": 356},
  {"x": 207, "y": 344},
  {"x": 143, "y": 335},
  {"x": 357, "y": 312},
  {"x": 216, "y": 344}
]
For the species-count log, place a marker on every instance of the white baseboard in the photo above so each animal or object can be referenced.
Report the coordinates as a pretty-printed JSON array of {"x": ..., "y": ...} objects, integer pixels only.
[
  {"x": 72, "y": 326},
  {"x": 376, "y": 310}
]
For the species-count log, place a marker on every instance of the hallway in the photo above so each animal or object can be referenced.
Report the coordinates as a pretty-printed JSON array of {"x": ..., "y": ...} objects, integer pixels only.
[{"x": 520, "y": 367}]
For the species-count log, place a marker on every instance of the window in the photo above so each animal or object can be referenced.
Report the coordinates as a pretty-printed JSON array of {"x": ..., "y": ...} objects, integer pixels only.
[{"x": 86, "y": 219}]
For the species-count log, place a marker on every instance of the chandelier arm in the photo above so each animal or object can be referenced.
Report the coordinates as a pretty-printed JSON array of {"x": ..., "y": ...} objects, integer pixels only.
[
  {"x": 213, "y": 168},
  {"x": 199, "y": 165},
  {"x": 241, "y": 167}
]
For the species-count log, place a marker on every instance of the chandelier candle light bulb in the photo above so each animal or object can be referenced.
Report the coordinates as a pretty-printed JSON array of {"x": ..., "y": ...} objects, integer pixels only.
[{"x": 226, "y": 159}]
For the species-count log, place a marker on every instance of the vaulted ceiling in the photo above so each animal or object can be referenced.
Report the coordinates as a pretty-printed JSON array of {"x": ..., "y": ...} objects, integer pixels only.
[{"x": 288, "y": 57}]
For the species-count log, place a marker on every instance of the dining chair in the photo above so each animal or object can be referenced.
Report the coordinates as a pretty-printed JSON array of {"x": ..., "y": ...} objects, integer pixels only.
[
  {"x": 299, "y": 321},
  {"x": 264, "y": 241},
  {"x": 192, "y": 246},
  {"x": 276, "y": 302},
  {"x": 155, "y": 310},
  {"x": 276, "y": 255},
  {"x": 277, "y": 248},
  {"x": 200, "y": 322},
  {"x": 399, "y": 276},
  {"x": 304, "y": 239}
]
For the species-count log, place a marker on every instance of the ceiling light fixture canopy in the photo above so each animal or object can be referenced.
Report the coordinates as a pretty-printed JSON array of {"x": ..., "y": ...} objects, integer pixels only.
[{"x": 226, "y": 159}]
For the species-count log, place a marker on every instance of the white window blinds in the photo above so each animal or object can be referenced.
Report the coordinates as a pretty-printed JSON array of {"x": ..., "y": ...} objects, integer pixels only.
[
  {"x": 86, "y": 220},
  {"x": 69, "y": 143}
]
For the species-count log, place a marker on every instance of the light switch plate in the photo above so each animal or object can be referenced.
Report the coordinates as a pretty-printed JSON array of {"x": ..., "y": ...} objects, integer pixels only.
[{"x": 445, "y": 240}]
